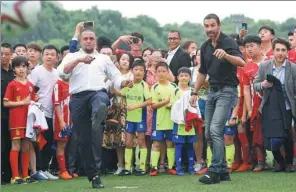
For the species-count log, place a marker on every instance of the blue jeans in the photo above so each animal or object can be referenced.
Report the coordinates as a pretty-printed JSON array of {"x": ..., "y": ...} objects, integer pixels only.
[{"x": 220, "y": 101}]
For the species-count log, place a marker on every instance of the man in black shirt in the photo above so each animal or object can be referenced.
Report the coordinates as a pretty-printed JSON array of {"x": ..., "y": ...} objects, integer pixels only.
[
  {"x": 219, "y": 58},
  {"x": 7, "y": 75}
]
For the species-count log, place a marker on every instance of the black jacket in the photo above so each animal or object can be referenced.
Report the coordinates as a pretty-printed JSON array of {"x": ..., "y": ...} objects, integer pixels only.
[
  {"x": 273, "y": 111},
  {"x": 180, "y": 59}
]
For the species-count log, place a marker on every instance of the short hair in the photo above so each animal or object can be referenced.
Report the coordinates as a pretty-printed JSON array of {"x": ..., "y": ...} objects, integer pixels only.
[
  {"x": 267, "y": 28},
  {"x": 187, "y": 44},
  {"x": 104, "y": 46},
  {"x": 131, "y": 58},
  {"x": 64, "y": 48},
  {"x": 281, "y": 41},
  {"x": 50, "y": 47},
  {"x": 19, "y": 45},
  {"x": 6, "y": 45},
  {"x": 147, "y": 48},
  {"x": 176, "y": 31},
  {"x": 213, "y": 16},
  {"x": 164, "y": 52},
  {"x": 19, "y": 60},
  {"x": 234, "y": 36},
  {"x": 139, "y": 35},
  {"x": 252, "y": 39},
  {"x": 184, "y": 70},
  {"x": 139, "y": 63},
  {"x": 103, "y": 41},
  {"x": 291, "y": 33},
  {"x": 162, "y": 64},
  {"x": 34, "y": 46}
]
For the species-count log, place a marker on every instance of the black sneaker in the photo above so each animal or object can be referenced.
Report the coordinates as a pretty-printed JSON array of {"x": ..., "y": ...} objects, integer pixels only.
[
  {"x": 124, "y": 173},
  {"x": 29, "y": 179},
  {"x": 224, "y": 176},
  {"x": 97, "y": 183},
  {"x": 209, "y": 178},
  {"x": 139, "y": 172}
]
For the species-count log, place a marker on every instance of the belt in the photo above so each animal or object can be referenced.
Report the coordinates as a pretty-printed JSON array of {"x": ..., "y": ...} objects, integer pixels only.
[
  {"x": 218, "y": 88},
  {"x": 83, "y": 93}
]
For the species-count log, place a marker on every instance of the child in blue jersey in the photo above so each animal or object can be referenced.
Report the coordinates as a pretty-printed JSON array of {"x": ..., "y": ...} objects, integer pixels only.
[{"x": 181, "y": 136}]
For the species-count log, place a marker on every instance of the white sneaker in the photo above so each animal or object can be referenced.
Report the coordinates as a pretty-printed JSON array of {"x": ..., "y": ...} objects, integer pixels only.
[
  {"x": 50, "y": 176},
  {"x": 43, "y": 175},
  {"x": 197, "y": 167},
  {"x": 119, "y": 170}
]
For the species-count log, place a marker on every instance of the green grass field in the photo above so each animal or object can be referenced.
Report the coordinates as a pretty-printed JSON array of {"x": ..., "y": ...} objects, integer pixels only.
[{"x": 249, "y": 182}]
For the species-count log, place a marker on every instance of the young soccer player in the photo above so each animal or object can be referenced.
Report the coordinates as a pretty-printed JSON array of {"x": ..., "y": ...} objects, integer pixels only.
[
  {"x": 18, "y": 96},
  {"x": 137, "y": 99},
  {"x": 181, "y": 136},
  {"x": 162, "y": 125},
  {"x": 266, "y": 35},
  {"x": 62, "y": 120},
  {"x": 253, "y": 46}
]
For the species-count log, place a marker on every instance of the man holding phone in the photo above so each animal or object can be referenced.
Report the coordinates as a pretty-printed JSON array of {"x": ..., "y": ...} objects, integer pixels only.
[{"x": 134, "y": 40}]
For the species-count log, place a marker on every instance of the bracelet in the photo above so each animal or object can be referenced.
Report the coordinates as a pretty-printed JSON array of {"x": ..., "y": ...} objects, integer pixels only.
[{"x": 193, "y": 93}]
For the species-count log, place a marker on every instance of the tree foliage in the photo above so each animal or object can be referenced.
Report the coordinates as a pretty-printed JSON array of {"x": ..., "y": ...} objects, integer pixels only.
[{"x": 56, "y": 26}]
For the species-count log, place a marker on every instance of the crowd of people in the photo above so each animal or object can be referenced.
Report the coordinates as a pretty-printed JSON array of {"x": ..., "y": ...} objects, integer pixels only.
[{"x": 228, "y": 106}]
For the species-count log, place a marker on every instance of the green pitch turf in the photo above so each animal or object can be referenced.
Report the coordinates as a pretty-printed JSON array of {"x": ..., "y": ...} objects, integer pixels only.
[{"x": 249, "y": 182}]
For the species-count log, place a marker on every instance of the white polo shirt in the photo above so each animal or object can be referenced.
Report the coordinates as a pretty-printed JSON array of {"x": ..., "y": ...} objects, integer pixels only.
[{"x": 90, "y": 77}]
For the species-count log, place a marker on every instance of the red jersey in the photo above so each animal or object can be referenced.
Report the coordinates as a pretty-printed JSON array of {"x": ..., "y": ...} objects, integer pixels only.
[
  {"x": 292, "y": 55},
  {"x": 268, "y": 55},
  {"x": 16, "y": 91},
  {"x": 61, "y": 97}
]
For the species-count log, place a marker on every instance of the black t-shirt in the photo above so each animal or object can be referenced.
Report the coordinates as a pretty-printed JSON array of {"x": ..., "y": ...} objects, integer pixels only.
[
  {"x": 6, "y": 77},
  {"x": 221, "y": 71}
]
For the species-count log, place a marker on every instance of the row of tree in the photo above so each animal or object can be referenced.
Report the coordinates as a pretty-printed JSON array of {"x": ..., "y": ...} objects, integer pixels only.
[{"x": 56, "y": 26}]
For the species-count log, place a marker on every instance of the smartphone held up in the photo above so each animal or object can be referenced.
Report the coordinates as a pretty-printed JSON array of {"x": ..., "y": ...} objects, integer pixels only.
[{"x": 88, "y": 24}]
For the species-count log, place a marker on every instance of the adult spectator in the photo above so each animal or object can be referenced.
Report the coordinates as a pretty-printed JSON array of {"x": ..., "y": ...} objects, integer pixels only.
[
  {"x": 64, "y": 51},
  {"x": 20, "y": 49},
  {"x": 277, "y": 79},
  {"x": 7, "y": 75},
  {"x": 134, "y": 40},
  {"x": 176, "y": 56},
  {"x": 219, "y": 59},
  {"x": 190, "y": 47},
  {"x": 106, "y": 50},
  {"x": 86, "y": 70},
  {"x": 44, "y": 77},
  {"x": 147, "y": 52},
  {"x": 34, "y": 53}
]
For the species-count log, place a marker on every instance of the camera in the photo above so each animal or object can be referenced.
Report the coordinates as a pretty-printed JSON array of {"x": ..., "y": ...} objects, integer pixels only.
[{"x": 135, "y": 40}]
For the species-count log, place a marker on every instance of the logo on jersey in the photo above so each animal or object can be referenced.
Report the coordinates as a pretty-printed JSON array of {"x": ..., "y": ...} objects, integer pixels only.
[{"x": 31, "y": 89}]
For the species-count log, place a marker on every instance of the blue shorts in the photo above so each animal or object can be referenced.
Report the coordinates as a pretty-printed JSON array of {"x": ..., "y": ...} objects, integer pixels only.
[
  {"x": 132, "y": 127},
  {"x": 184, "y": 138},
  {"x": 161, "y": 135},
  {"x": 230, "y": 130}
]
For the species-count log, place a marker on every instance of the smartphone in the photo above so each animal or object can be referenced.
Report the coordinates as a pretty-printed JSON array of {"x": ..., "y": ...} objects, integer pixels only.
[
  {"x": 88, "y": 24},
  {"x": 244, "y": 26},
  {"x": 113, "y": 58}
]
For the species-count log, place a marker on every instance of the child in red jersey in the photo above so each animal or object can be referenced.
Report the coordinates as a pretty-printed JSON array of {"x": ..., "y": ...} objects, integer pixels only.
[
  {"x": 62, "y": 123},
  {"x": 253, "y": 99},
  {"x": 266, "y": 35},
  {"x": 18, "y": 96}
]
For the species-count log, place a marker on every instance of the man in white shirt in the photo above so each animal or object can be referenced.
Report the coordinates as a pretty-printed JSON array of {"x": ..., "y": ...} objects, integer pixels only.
[
  {"x": 86, "y": 70},
  {"x": 44, "y": 77}
]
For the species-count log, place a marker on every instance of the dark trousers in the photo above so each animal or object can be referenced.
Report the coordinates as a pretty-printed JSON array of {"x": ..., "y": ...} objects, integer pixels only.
[
  {"x": 44, "y": 156},
  {"x": 5, "y": 150},
  {"x": 88, "y": 111},
  {"x": 71, "y": 152},
  {"x": 288, "y": 144}
]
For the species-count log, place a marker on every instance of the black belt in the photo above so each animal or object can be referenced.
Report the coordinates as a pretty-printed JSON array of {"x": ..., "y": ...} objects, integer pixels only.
[
  {"x": 218, "y": 88},
  {"x": 83, "y": 93}
]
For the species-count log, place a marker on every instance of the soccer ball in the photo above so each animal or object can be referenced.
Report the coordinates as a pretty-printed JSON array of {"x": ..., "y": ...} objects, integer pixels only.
[{"x": 18, "y": 16}]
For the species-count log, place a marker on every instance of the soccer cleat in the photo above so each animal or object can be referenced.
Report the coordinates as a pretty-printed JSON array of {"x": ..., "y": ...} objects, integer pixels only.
[
  {"x": 243, "y": 167},
  {"x": 97, "y": 183},
  {"x": 39, "y": 177},
  {"x": 139, "y": 172},
  {"x": 16, "y": 181},
  {"x": 202, "y": 171},
  {"x": 125, "y": 173},
  {"x": 209, "y": 178},
  {"x": 42, "y": 173},
  {"x": 50, "y": 176},
  {"x": 197, "y": 167},
  {"x": 172, "y": 171},
  {"x": 180, "y": 172},
  {"x": 259, "y": 167},
  {"x": 235, "y": 166},
  {"x": 65, "y": 175},
  {"x": 29, "y": 179},
  {"x": 289, "y": 168},
  {"x": 153, "y": 172}
]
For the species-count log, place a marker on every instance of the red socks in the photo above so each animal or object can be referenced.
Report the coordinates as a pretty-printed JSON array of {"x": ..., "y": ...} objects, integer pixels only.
[
  {"x": 13, "y": 158},
  {"x": 245, "y": 147},
  {"x": 62, "y": 163},
  {"x": 25, "y": 163}
]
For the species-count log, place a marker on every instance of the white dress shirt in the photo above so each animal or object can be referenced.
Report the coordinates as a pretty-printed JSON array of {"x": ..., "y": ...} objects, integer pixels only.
[
  {"x": 90, "y": 77},
  {"x": 171, "y": 54}
]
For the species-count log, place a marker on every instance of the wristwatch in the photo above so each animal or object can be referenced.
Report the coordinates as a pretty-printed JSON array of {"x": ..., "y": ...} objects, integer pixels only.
[{"x": 193, "y": 93}]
